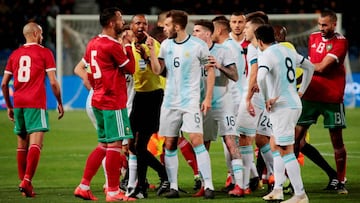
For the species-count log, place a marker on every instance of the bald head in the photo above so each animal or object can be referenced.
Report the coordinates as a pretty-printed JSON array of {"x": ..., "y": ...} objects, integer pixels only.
[
  {"x": 32, "y": 33},
  {"x": 30, "y": 28}
]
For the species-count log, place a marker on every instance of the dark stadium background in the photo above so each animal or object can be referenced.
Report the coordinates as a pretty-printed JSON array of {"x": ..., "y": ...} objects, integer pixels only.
[{"x": 15, "y": 13}]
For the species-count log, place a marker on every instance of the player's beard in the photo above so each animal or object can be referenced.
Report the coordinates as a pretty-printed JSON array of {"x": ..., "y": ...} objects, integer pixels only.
[
  {"x": 118, "y": 29},
  {"x": 327, "y": 35},
  {"x": 172, "y": 35}
]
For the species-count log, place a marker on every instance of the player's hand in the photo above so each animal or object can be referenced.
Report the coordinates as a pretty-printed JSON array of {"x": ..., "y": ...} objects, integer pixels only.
[
  {"x": 205, "y": 106},
  {"x": 61, "y": 111},
  {"x": 128, "y": 37},
  {"x": 212, "y": 62},
  {"x": 140, "y": 49},
  {"x": 149, "y": 40},
  {"x": 270, "y": 103},
  {"x": 250, "y": 108},
  {"x": 10, "y": 112}
]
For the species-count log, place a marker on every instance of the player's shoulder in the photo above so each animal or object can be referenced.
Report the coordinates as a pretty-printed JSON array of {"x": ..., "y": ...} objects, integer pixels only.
[
  {"x": 196, "y": 40},
  {"x": 288, "y": 45},
  {"x": 339, "y": 36},
  {"x": 35, "y": 48},
  {"x": 270, "y": 51},
  {"x": 219, "y": 46},
  {"x": 316, "y": 34},
  {"x": 251, "y": 49},
  {"x": 233, "y": 45},
  {"x": 219, "y": 49},
  {"x": 166, "y": 41},
  {"x": 107, "y": 39}
]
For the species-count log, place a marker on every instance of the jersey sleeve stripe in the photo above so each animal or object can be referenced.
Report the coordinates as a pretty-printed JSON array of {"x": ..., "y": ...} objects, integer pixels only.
[
  {"x": 50, "y": 69},
  {"x": 123, "y": 64},
  {"x": 8, "y": 72}
]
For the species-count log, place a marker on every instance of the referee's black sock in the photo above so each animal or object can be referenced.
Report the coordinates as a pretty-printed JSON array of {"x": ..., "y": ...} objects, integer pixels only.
[{"x": 314, "y": 155}]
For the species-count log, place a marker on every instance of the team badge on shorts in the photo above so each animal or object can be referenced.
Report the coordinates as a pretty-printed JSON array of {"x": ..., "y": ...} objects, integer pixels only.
[{"x": 127, "y": 130}]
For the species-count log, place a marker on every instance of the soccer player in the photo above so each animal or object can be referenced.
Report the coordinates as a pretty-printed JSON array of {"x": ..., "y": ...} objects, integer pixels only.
[
  {"x": 183, "y": 143},
  {"x": 28, "y": 66},
  {"x": 81, "y": 70},
  {"x": 237, "y": 25},
  {"x": 221, "y": 36},
  {"x": 182, "y": 55},
  {"x": 310, "y": 151},
  {"x": 109, "y": 61},
  {"x": 325, "y": 95},
  {"x": 256, "y": 124},
  {"x": 277, "y": 84},
  {"x": 221, "y": 116}
]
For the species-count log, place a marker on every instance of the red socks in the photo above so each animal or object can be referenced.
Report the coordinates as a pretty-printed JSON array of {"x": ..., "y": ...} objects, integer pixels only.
[
  {"x": 32, "y": 160},
  {"x": 188, "y": 153},
  {"x": 21, "y": 156},
  {"x": 92, "y": 164},
  {"x": 113, "y": 165}
]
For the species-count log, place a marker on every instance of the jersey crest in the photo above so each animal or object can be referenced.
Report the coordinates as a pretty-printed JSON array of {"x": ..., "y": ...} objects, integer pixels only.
[{"x": 329, "y": 47}]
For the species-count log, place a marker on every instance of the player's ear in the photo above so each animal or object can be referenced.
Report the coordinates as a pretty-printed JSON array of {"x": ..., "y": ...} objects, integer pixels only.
[
  {"x": 177, "y": 27},
  {"x": 111, "y": 23},
  {"x": 35, "y": 34}
]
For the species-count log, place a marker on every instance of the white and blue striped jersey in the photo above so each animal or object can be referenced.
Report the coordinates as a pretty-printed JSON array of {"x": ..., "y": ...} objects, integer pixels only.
[
  {"x": 183, "y": 63},
  {"x": 225, "y": 58},
  {"x": 238, "y": 52},
  {"x": 252, "y": 58},
  {"x": 277, "y": 66}
]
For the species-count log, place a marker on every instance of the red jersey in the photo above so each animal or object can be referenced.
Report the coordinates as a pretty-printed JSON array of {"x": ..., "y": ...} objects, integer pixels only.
[
  {"x": 329, "y": 85},
  {"x": 244, "y": 44},
  {"x": 108, "y": 64},
  {"x": 28, "y": 64}
]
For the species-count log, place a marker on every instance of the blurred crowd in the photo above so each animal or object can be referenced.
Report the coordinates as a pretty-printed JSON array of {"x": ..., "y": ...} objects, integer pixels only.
[
  {"x": 205, "y": 7},
  {"x": 14, "y": 14}
]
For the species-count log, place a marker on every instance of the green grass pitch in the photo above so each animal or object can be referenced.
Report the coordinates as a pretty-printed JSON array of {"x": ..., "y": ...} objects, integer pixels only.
[{"x": 71, "y": 139}]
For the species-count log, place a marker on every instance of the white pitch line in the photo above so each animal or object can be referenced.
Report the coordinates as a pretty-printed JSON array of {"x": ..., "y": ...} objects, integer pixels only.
[
  {"x": 329, "y": 143},
  {"x": 348, "y": 155}
]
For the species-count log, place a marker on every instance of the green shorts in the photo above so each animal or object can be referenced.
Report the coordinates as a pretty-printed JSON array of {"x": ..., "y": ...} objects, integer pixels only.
[
  {"x": 29, "y": 120},
  {"x": 333, "y": 113},
  {"x": 112, "y": 125}
]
